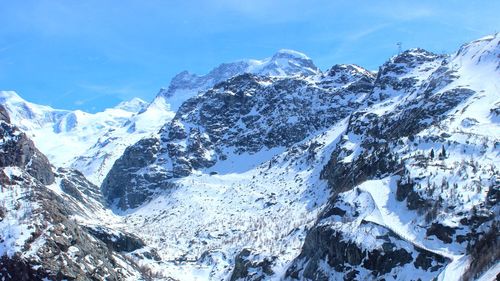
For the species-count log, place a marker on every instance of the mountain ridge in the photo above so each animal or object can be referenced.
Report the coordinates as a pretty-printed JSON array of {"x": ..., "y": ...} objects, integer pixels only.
[{"x": 345, "y": 174}]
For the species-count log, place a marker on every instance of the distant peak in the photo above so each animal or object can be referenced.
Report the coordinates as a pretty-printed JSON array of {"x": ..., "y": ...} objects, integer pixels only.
[
  {"x": 487, "y": 38},
  {"x": 287, "y": 53},
  {"x": 417, "y": 52},
  {"x": 414, "y": 55},
  {"x": 133, "y": 105},
  {"x": 352, "y": 69},
  {"x": 283, "y": 63}
]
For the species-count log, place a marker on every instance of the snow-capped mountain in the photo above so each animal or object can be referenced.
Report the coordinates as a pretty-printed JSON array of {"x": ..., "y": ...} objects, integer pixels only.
[
  {"x": 415, "y": 184},
  {"x": 84, "y": 141},
  {"x": 53, "y": 222},
  {"x": 284, "y": 63},
  {"x": 246, "y": 114},
  {"x": 91, "y": 143},
  {"x": 260, "y": 142},
  {"x": 274, "y": 170}
]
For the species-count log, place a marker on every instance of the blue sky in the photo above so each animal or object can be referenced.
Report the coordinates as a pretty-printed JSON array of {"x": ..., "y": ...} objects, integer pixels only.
[{"x": 92, "y": 54}]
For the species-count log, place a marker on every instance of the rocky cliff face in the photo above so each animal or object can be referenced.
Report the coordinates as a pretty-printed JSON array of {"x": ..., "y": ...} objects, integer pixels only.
[
  {"x": 273, "y": 175},
  {"x": 245, "y": 114},
  {"x": 409, "y": 162},
  {"x": 18, "y": 150},
  {"x": 409, "y": 138},
  {"x": 4, "y": 116},
  {"x": 41, "y": 236}
]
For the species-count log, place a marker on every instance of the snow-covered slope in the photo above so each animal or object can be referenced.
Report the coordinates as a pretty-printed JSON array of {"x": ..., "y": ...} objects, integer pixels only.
[
  {"x": 240, "y": 174},
  {"x": 245, "y": 115},
  {"x": 52, "y": 222},
  {"x": 87, "y": 142},
  {"x": 272, "y": 175},
  {"x": 265, "y": 208},
  {"x": 421, "y": 162}
]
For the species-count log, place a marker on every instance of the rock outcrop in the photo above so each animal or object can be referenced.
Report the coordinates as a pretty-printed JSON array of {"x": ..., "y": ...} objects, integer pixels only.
[{"x": 40, "y": 238}]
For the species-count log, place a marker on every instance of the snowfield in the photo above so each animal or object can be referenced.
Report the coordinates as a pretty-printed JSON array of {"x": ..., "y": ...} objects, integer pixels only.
[
  {"x": 267, "y": 208},
  {"x": 88, "y": 142}
]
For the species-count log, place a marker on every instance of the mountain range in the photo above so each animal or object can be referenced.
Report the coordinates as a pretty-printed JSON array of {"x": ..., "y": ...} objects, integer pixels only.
[{"x": 264, "y": 170}]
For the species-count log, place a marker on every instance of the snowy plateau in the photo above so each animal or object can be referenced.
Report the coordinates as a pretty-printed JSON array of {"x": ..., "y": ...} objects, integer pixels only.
[{"x": 264, "y": 170}]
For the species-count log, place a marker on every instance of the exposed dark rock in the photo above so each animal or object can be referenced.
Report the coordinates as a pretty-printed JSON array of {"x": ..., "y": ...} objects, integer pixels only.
[
  {"x": 493, "y": 195},
  {"x": 15, "y": 268},
  {"x": 334, "y": 211},
  {"x": 58, "y": 248},
  {"x": 117, "y": 241},
  {"x": 484, "y": 253},
  {"x": 76, "y": 185},
  {"x": 18, "y": 150},
  {"x": 129, "y": 183},
  {"x": 381, "y": 262},
  {"x": 443, "y": 233},
  {"x": 429, "y": 261},
  {"x": 64, "y": 250},
  {"x": 415, "y": 201},
  {"x": 403, "y": 190},
  {"x": 375, "y": 161},
  {"x": 251, "y": 267},
  {"x": 325, "y": 244},
  {"x": 4, "y": 115},
  {"x": 246, "y": 114}
]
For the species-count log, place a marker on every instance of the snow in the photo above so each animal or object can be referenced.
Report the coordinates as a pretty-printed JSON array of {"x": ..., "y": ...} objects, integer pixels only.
[
  {"x": 266, "y": 205},
  {"x": 491, "y": 274},
  {"x": 268, "y": 200},
  {"x": 134, "y": 105},
  {"x": 279, "y": 65},
  {"x": 285, "y": 63},
  {"x": 242, "y": 162},
  {"x": 293, "y": 53},
  {"x": 84, "y": 141},
  {"x": 395, "y": 216},
  {"x": 16, "y": 225}
]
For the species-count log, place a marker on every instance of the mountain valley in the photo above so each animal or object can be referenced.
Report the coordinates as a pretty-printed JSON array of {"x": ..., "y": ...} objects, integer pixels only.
[{"x": 264, "y": 170}]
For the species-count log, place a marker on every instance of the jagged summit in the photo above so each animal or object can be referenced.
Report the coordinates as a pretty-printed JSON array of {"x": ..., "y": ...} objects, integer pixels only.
[
  {"x": 347, "y": 73},
  {"x": 291, "y": 54},
  {"x": 412, "y": 57},
  {"x": 283, "y": 63}
]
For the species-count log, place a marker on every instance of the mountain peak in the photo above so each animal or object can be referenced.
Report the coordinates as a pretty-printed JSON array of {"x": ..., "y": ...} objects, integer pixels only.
[
  {"x": 133, "y": 105},
  {"x": 283, "y": 63},
  {"x": 414, "y": 55},
  {"x": 485, "y": 50},
  {"x": 351, "y": 68},
  {"x": 287, "y": 53}
]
